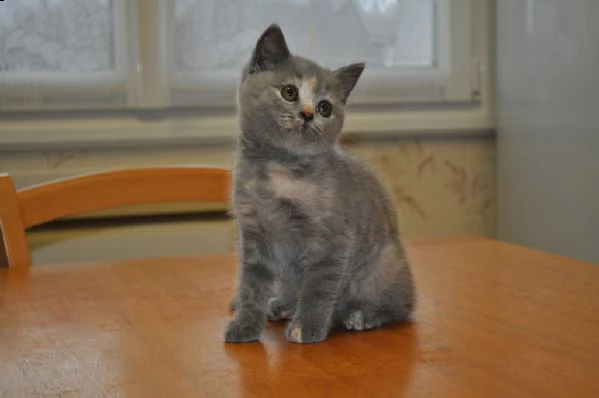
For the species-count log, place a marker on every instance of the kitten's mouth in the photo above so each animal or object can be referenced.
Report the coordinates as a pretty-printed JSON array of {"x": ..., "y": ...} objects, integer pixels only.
[
  {"x": 302, "y": 126},
  {"x": 306, "y": 127}
]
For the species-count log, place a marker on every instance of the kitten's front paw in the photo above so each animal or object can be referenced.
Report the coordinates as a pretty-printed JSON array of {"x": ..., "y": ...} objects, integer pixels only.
[
  {"x": 306, "y": 333},
  {"x": 242, "y": 332},
  {"x": 278, "y": 309}
]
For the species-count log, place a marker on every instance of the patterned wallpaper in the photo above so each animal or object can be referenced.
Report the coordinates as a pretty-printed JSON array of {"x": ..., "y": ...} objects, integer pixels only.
[{"x": 441, "y": 186}]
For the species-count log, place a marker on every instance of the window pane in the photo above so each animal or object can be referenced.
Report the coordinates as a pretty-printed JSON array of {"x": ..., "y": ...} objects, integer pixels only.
[
  {"x": 383, "y": 33},
  {"x": 57, "y": 37},
  {"x": 220, "y": 34}
]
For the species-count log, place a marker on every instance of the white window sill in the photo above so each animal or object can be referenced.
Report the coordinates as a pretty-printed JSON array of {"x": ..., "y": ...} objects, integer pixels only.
[{"x": 129, "y": 131}]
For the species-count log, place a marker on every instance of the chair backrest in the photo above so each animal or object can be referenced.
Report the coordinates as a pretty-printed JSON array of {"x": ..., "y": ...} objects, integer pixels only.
[{"x": 40, "y": 204}]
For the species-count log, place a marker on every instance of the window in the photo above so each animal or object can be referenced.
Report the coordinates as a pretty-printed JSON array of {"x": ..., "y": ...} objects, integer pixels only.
[
  {"x": 72, "y": 54},
  {"x": 63, "y": 53},
  {"x": 414, "y": 49}
]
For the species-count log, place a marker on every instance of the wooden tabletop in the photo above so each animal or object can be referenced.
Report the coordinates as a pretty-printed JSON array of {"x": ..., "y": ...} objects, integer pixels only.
[{"x": 493, "y": 320}]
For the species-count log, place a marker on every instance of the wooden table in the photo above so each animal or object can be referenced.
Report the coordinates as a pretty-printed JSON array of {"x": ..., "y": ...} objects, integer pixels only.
[{"x": 494, "y": 320}]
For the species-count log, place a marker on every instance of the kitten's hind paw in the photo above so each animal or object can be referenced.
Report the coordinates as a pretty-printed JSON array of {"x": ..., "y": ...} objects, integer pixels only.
[{"x": 355, "y": 320}]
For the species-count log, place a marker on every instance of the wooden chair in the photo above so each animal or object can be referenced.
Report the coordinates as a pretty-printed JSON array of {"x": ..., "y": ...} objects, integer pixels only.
[{"x": 23, "y": 209}]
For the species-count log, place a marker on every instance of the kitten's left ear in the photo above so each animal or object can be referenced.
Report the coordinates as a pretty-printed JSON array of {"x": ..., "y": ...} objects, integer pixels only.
[{"x": 348, "y": 77}]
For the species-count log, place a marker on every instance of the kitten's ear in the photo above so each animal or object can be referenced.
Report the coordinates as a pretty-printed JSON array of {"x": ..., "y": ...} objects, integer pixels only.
[
  {"x": 271, "y": 50},
  {"x": 348, "y": 77}
]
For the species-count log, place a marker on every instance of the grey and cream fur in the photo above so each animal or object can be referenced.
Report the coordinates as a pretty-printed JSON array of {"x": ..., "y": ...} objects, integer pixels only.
[{"x": 318, "y": 235}]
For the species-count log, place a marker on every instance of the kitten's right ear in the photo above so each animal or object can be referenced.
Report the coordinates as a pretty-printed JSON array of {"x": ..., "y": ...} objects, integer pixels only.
[{"x": 271, "y": 50}]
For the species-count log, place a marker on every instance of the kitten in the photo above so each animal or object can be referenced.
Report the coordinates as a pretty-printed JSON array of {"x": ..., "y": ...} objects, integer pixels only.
[{"x": 319, "y": 242}]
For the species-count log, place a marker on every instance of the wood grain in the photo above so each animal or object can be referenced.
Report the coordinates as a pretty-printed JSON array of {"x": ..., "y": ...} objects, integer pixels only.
[
  {"x": 493, "y": 320},
  {"x": 87, "y": 193}
]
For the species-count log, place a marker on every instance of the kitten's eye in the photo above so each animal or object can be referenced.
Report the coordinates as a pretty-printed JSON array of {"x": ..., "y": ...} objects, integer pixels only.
[
  {"x": 289, "y": 92},
  {"x": 325, "y": 108}
]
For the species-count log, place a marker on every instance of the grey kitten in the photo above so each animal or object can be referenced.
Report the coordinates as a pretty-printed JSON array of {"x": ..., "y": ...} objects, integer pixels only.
[{"x": 319, "y": 242}]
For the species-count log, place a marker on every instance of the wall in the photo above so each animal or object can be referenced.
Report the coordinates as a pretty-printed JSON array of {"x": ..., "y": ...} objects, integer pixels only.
[
  {"x": 548, "y": 125},
  {"x": 441, "y": 186}
]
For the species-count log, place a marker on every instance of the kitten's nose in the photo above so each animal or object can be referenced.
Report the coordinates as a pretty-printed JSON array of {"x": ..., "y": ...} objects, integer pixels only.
[{"x": 307, "y": 114}]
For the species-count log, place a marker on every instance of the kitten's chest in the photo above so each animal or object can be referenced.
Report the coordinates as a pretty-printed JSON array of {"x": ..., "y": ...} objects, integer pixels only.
[
  {"x": 281, "y": 197},
  {"x": 281, "y": 183}
]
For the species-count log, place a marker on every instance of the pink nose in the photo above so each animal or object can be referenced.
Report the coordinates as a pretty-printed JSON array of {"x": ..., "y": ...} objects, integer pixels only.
[
  {"x": 308, "y": 113},
  {"x": 308, "y": 110}
]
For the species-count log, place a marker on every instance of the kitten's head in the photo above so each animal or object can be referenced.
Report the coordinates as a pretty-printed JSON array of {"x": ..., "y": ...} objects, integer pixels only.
[{"x": 289, "y": 101}]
